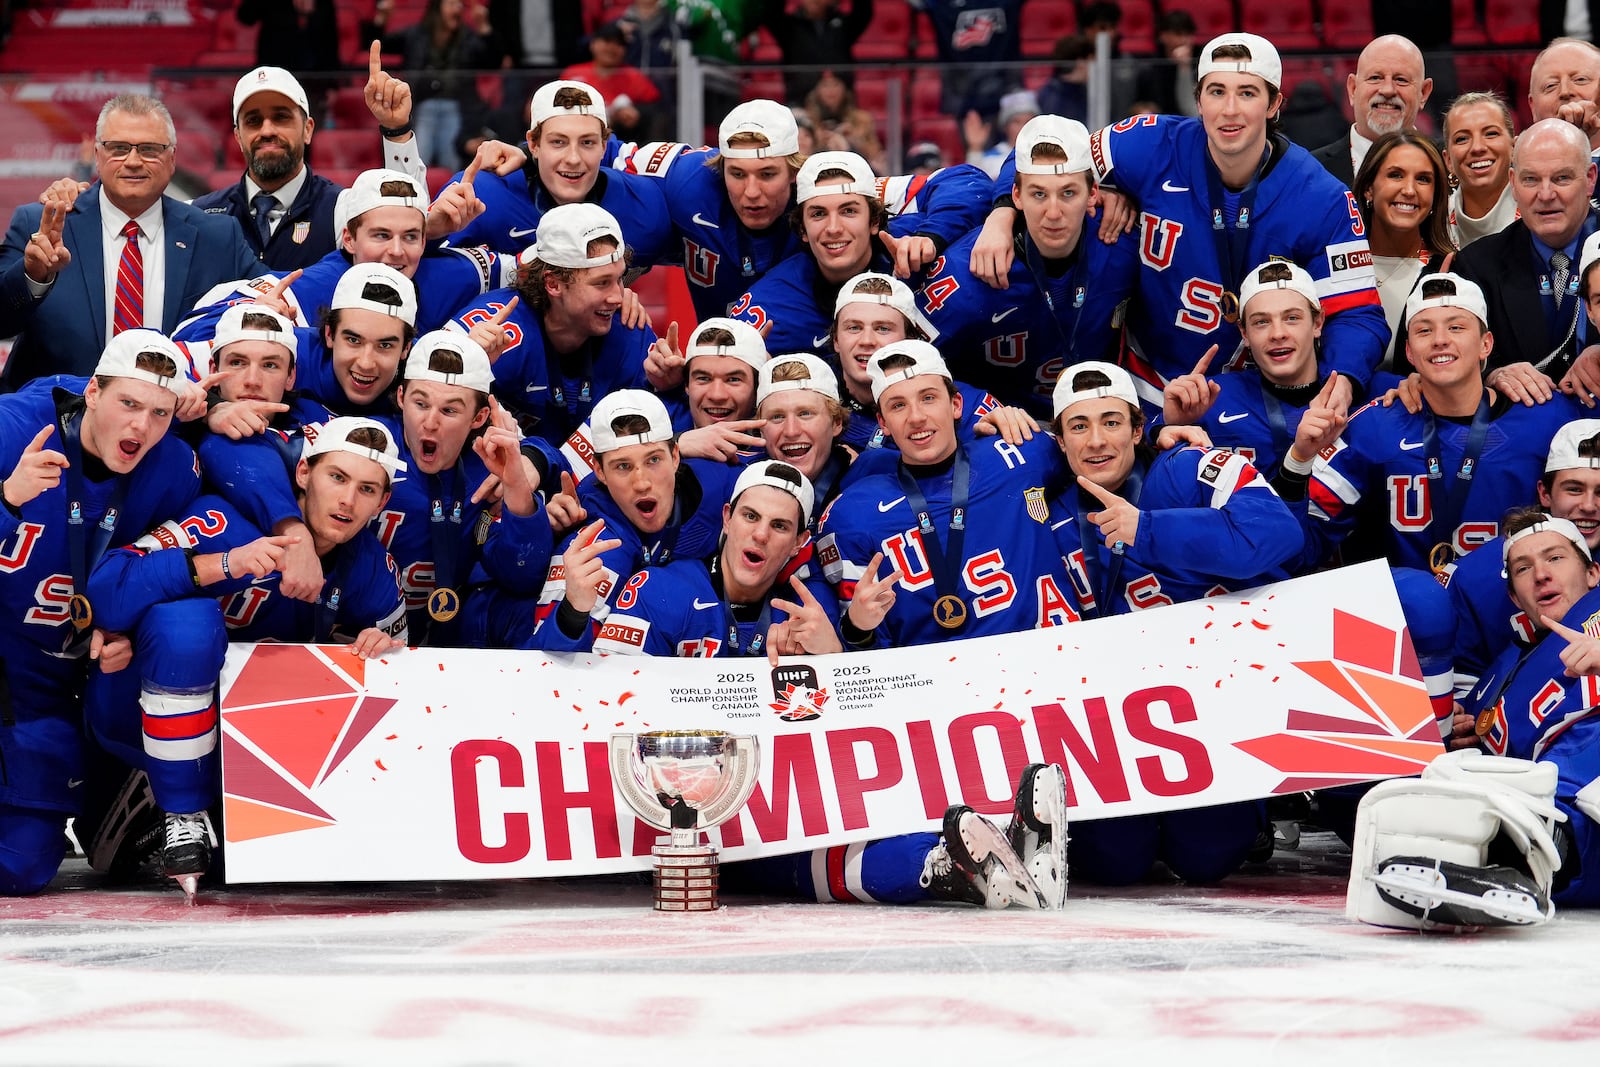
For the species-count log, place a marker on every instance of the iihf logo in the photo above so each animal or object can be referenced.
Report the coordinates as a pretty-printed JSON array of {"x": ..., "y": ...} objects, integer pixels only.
[{"x": 797, "y": 695}]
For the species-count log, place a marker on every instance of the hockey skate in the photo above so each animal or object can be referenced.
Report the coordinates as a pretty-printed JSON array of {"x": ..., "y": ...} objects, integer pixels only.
[
  {"x": 186, "y": 852},
  {"x": 1038, "y": 830},
  {"x": 975, "y": 864},
  {"x": 1446, "y": 894}
]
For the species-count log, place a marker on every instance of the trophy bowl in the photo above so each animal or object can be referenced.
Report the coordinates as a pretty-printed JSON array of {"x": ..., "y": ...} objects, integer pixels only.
[{"x": 685, "y": 782}]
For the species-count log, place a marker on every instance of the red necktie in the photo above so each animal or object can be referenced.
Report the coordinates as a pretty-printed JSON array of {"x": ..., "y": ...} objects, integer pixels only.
[{"x": 130, "y": 283}]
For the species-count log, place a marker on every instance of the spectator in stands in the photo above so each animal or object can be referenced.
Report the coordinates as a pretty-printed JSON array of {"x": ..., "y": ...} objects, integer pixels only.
[
  {"x": 1168, "y": 81},
  {"x": 1016, "y": 109},
  {"x": 1386, "y": 91},
  {"x": 284, "y": 210},
  {"x": 806, "y": 132},
  {"x": 977, "y": 45},
  {"x": 300, "y": 35},
  {"x": 1527, "y": 270},
  {"x": 651, "y": 31},
  {"x": 84, "y": 266},
  {"x": 923, "y": 158},
  {"x": 714, "y": 29},
  {"x": 440, "y": 53},
  {"x": 1565, "y": 84},
  {"x": 1478, "y": 133},
  {"x": 1067, "y": 92},
  {"x": 815, "y": 33},
  {"x": 1401, "y": 189},
  {"x": 831, "y": 106},
  {"x": 625, "y": 87},
  {"x": 539, "y": 34}
]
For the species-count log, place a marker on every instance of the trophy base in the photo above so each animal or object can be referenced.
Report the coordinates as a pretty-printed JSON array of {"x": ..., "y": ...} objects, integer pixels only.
[{"x": 685, "y": 877}]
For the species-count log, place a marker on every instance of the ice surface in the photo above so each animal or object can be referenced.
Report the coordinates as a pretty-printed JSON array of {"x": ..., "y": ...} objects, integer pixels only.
[{"x": 1263, "y": 968}]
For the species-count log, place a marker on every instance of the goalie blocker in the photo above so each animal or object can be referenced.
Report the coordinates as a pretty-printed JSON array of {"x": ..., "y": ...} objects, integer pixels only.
[{"x": 1471, "y": 843}]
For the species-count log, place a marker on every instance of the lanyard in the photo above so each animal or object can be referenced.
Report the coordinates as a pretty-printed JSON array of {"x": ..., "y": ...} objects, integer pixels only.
[
  {"x": 1447, "y": 511},
  {"x": 444, "y": 533},
  {"x": 327, "y": 606},
  {"x": 763, "y": 621},
  {"x": 950, "y": 611},
  {"x": 1089, "y": 538},
  {"x": 1281, "y": 438},
  {"x": 83, "y": 549},
  {"x": 581, "y": 405},
  {"x": 1232, "y": 242},
  {"x": 1041, "y": 280},
  {"x": 659, "y": 552}
]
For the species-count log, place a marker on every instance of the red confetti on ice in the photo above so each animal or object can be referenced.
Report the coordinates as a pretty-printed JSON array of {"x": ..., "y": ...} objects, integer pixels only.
[
  {"x": 428, "y": 708},
  {"x": 1207, "y": 626},
  {"x": 1258, "y": 624},
  {"x": 1257, "y": 667},
  {"x": 1219, "y": 684},
  {"x": 391, "y": 737},
  {"x": 379, "y": 764},
  {"x": 577, "y": 707},
  {"x": 625, "y": 697},
  {"x": 1237, "y": 625},
  {"x": 557, "y": 692},
  {"x": 617, "y": 724},
  {"x": 585, "y": 726},
  {"x": 441, "y": 666},
  {"x": 605, "y": 703}
]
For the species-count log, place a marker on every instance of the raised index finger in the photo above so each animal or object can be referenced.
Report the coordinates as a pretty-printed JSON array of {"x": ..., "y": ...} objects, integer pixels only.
[
  {"x": 37, "y": 444},
  {"x": 375, "y": 60},
  {"x": 1205, "y": 360},
  {"x": 803, "y": 590},
  {"x": 1099, "y": 492},
  {"x": 281, "y": 286},
  {"x": 1557, "y": 628},
  {"x": 499, "y": 317},
  {"x": 470, "y": 175}
]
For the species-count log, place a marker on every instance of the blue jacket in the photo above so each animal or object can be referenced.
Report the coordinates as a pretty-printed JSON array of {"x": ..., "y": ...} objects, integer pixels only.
[{"x": 304, "y": 234}]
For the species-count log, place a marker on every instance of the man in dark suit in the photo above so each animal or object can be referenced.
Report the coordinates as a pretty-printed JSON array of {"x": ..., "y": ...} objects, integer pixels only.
[
  {"x": 1386, "y": 91},
  {"x": 1529, "y": 270},
  {"x": 85, "y": 266},
  {"x": 284, "y": 210}
]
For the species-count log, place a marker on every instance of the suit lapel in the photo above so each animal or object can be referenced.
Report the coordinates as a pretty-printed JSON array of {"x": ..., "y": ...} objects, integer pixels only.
[
  {"x": 81, "y": 233},
  {"x": 181, "y": 236},
  {"x": 1523, "y": 302}
]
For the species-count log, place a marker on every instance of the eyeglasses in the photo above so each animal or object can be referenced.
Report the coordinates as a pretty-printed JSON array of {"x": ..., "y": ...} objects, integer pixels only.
[{"x": 148, "y": 150}]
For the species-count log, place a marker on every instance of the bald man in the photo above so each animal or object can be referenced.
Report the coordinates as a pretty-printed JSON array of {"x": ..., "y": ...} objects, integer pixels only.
[
  {"x": 1387, "y": 90},
  {"x": 1529, "y": 270},
  {"x": 1565, "y": 84}
]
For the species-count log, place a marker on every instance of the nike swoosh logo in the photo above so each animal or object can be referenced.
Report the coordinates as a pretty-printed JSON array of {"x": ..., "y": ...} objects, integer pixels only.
[
  {"x": 523, "y": 233},
  {"x": 698, "y": 221},
  {"x": 1410, "y": 445},
  {"x": 1482, "y": 689},
  {"x": 1003, "y": 314},
  {"x": 818, "y": 342},
  {"x": 536, "y": 388},
  {"x": 1168, "y": 187},
  {"x": 700, "y": 606},
  {"x": 882, "y": 507},
  {"x": 1225, "y": 417},
  {"x": 73, "y": 783}
]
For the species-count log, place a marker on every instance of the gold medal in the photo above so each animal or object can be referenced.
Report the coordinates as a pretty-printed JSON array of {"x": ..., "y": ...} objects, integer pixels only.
[
  {"x": 950, "y": 612},
  {"x": 80, "y": 611},
  {"x": 1485, "y": 722},
  {"x": 1230, "y": 306},
  {"x": 1439, "y": 559},
  {"x": 444, "y": 605}
]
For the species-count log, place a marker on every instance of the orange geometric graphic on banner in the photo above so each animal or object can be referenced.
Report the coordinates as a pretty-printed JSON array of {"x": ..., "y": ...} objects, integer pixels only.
[
  {"x": 245, "y": 820},
  {"x": 297, "y": 736},
  {"x": 284, "y": 672},
  {"x": 1375, "y": 672}
]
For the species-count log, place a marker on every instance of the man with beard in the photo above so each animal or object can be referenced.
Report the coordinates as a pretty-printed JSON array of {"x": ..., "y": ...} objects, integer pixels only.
[{"x": 1386, "y": 91}]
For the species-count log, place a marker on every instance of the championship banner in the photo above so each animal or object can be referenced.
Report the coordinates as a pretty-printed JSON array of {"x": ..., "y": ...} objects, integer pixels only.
[{"x": 441, "y": 763}]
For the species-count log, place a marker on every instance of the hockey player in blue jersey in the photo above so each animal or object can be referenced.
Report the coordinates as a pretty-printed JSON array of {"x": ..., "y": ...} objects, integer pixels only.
[
  {"x": 950, "y": 576},
  {"x": 255, "y": 350},
  {"x": 1258, "y": 410},
  {"x": 710, "y": 387},
  {"x": 568, "y": 141},
  {"x": 160, "y": 714},
  {"x": 381, "y": 218},
  {"x": 644, "y": 507},
  {"x": 1142, "y": 532},
  {"x": 565, "y": 345},
  {"x": 1487, "y": 621},
  {"x": 735, "y": 603},
  {"x": 841, "y": 218},
  {"x": 460, "y": 549},
  {"x": 1064, "y": 283},
  {"x": 85, "y": 463},
  {"x": 1499, "y": 840},
  {"x": 797, "y": 401}
]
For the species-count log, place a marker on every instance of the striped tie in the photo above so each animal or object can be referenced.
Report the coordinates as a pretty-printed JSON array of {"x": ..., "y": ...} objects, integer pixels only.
[{"x": 130, "y": 283}]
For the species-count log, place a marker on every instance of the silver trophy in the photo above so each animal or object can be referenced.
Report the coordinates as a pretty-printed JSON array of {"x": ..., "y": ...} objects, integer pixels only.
[{"x": 685, "y": 781}]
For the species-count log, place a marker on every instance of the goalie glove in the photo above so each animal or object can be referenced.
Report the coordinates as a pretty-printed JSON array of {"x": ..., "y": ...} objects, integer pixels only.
[{"x": 1467, "y": 845}]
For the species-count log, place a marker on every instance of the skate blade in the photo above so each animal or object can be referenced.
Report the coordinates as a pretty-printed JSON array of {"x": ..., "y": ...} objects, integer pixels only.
[{"x": 190, "y": 884}]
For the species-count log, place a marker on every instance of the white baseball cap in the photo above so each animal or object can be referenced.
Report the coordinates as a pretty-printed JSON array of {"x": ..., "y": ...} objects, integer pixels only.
[
  {"x": 351, "y": 292},
  {"x": 748, "y": 344},
  {"x": 565, "y": 233},
  {"x": 1565, "y": 527},
  {"x": 1069, "y": 135},
  {"x": 768, "y": 118},
  {"x": 231, "y": 328},
  {"x": 122, "y": 352},
  {"x": 1064, "y": 396},
  {"x": 1563, "y": 454},
  {"x": 621, "y": 402},
  {"x": 862, "y": 180},
  {"x": 334, "y": 436},
  {"x": 1458, "y": 292},
  {"x": 544, "y": 102},
  {"x": 476, "y": 373},
  {"x": 1299, "y": 281},
  {"x": 819, "y": 377},
  {"x": 898, "y": 297},
  {"x": 781, "y": 476},
  {"x": 1263, "y": 61},
  {"x": 1589, "y": 254},
  {"x": 367, "y": 193},
  {"x": 925, "y": 359},
  {"x": 268, "y": 80}
]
